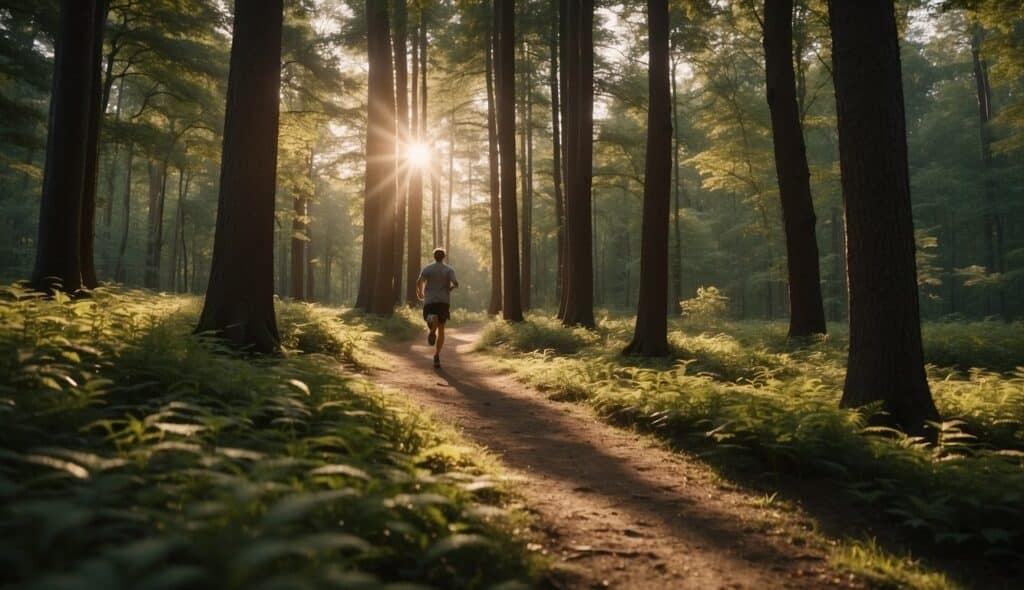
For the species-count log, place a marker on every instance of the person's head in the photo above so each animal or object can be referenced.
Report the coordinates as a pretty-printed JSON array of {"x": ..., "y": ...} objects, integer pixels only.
[{"x": 439, "y": 254}]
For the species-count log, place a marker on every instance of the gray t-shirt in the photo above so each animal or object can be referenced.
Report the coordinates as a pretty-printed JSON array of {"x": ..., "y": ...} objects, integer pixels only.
[{"x": 439, "y": 278}]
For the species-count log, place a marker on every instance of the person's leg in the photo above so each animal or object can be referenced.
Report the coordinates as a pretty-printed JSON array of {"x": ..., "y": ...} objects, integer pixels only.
[
  {"x": 440, "y": 338},
  {"x": 430, "y": 316}
]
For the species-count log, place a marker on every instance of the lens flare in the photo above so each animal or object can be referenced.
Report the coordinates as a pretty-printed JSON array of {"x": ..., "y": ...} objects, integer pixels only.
[{"x": 419, "y": 155}]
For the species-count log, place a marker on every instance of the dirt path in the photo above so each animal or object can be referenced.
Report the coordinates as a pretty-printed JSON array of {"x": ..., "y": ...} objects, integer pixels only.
[{"x": 617, "y": 510}]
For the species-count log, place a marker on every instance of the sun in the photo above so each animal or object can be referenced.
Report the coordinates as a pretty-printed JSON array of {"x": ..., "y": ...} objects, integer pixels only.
[{"x": 419, "y": 155}]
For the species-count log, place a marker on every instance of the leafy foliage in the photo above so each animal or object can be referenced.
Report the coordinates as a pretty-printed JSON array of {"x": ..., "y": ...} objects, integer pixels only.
[
  {"x": 749, "y": 403},
  {"x": 137, "y": 456}
]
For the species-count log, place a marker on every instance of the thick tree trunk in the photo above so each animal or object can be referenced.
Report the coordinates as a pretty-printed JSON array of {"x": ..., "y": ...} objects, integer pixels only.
[
  {"x": 380, "y": 154},
  {"x": 58, "y": 246},
  {"x": 505, "y": 70},
  {"x": 651, "y": 335},
  {"x": 239, "y": 302},
  {"x": 494, "y": 306},
  {"x": 579, "y": 68},
  {"x": 404, "y": 140},
  {"x": 98, "y": 99},
  {"x": 415, "y": 227},
  {"x": 885, "y": 359},
  {"x": 556, "y": 166},
  {"x": 806, "y": 310},
  {"x": 563, "y": 108}
]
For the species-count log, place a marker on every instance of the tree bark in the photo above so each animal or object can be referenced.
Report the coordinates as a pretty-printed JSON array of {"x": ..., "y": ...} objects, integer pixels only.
[
  {"x": 806, "y": 310},
  {"x": 404, "y": 135},
  {"x": 155, "y": 230},
  {"x": 651, "y": 335},
  {"x": 563, "y": 108},
  {"x": 526, "y": 286},
  {"x": 380, "y": 154},
  {"x": 120, "y": 273},
  {"x": 239, "y": 302},
  {"x": 556, "y": 159},
  {"x": 885, "y": 357},
  {"x": 97, "y": 107},
  {"x": 505, "y": 70},
  {"x": 58, "y": 245},
  {"x": 494, "y": 306},
  {"x": 579, "y": 68},
  {"x": 415, "y": 226}
]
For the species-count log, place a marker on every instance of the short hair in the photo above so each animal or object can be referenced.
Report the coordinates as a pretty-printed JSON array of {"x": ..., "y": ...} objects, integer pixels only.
[{"x": 439, "y": 254}]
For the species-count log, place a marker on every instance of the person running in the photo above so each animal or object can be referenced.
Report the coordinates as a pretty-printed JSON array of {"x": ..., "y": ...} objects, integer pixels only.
[{"x": 434, "y": 288}]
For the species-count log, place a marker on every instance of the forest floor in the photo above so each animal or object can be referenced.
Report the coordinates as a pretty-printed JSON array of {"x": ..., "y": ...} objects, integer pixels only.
[{"x": 614, "y": 508}]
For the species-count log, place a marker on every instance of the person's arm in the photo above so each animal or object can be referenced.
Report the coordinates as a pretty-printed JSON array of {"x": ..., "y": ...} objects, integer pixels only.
[
  {"x": 420, "y": 283},
  {"x": 452, "y": 283}
]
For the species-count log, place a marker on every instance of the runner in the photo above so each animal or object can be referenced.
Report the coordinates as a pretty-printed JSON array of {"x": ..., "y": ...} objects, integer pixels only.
[{"x": 434, "y": 289}]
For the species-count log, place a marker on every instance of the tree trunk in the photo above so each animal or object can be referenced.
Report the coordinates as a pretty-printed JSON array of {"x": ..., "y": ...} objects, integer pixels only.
[
  {"x": 563, "y": 108},
  {"x": 120, "y": 274},
  {"x": 677, "y": 192},
  {"x": 579, "y": 68},
  {"x": 451, "y": 184},
  {"x": 556, "y": 158},
  {"x": 380, "y": 154},
  {"x": 58, "y": 246},
  {"x": 239, "y": 302},
  {"x": 494, "y": 306},
  {"x": 402, "y": 106},
  {"x": 505, "y": 70},
  {"x": 885, "y": 358},
  {"x": 806, "y": 310},
  {"x": 992, "y": 221},
  {"x": 651, "y": 335},
  {"x": 177, "y": 240},
  {"x": 526, "y": 286},
  {"x": 415, "y": 226},
  {"x": 155, "y": 235},
  {"x": 297, "y": 278},
  {"x": 97, "y": 107}
]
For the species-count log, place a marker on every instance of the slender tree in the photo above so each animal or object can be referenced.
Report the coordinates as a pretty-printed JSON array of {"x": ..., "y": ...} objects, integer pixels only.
[
  {"x": 415, "y": 198},
  {"x": 239, "y": 302},
  {"x": 885, "y": 361},
  {"x": 297, "y": 276},
  {"x": 380, "y": 154},
  {"x": 806, "y": 310},
  {"x": 505, "y": 76},
  {"x": 494, "y": 306},
  {"x": 58, "y": 261},
  {"x": 402, "y": 105},
  {"x": 651, "y": 335},
  {"x": 526, "y": 281},
  {"x": 556, "y": 157},
  {"x": 579, "y": 98}
]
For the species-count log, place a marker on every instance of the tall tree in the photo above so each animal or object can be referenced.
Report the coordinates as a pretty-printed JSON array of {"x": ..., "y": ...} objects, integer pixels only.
[
  {"x": 404, "y": 138},
  {"x": 505, "y": 76},
  {"x": 526, "y": 281},
  {"x": 58, "y": 261},
  {"x": 380, "y": 154},
  {"x": 556, "y": 156},
  {"x": 886, "y": 362},
  {"x": 650, "y": 337},
  {"x": 239, "y": 302},
  {"x": 579, "y": 142},
  {"x": 97, "y": 105},
  {"x": 415, "y": 195},
  {"x": 494, "y": 305},
  {"x": 806, "y": 310}
]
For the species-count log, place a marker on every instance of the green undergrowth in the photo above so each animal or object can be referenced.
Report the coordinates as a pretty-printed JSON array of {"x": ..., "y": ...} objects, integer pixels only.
[
  {"x": 762, "y": 408},
  {"x": 134, "y": 455}
]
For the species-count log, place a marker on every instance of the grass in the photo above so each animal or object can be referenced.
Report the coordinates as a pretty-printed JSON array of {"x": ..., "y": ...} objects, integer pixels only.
[
  {"x": 765, "y": 410},
  {"x": 136, "y": 455}
]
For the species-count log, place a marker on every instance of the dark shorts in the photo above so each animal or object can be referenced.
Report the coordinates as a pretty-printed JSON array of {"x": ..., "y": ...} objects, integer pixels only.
[{"x": 441, "y": 310}]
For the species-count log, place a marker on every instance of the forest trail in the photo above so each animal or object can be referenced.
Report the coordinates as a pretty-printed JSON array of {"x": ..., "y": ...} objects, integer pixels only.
[{"x": 616, "y": 510}]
